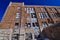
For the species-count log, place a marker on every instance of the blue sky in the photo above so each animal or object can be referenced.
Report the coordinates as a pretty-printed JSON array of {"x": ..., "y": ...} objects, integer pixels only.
[{"x": 4, "y": 4}]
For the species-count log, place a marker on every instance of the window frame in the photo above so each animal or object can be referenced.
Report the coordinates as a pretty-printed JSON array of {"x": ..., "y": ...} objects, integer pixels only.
[
  {"x": 18, "y": 8},
  {"x": 17, "y": 15},
  {"x": 44, "y": 24},
  {"x": 16, "y": 25},
  {"x": 33, "y": 15}
]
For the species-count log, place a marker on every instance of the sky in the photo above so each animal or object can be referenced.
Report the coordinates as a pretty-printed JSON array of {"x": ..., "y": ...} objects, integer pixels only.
[{"x": 4, "y": 4}]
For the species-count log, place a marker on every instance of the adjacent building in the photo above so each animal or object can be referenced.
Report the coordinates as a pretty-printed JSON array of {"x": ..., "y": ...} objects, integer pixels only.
[{"x": 26, "y": 22}]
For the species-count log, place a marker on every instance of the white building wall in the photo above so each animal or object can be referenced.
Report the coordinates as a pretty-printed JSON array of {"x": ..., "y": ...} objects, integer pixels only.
[{"x": 5, "y": 34}]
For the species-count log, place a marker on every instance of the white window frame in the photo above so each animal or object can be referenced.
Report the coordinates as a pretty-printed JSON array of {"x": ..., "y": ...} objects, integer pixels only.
[
  {"x": 18, "y": 8},
  {"x": 44, "y": 24},
  {"x": 29, "y": 10},
  {"x": 41, "y": 15},
  {"x": 17, "y": 15}
]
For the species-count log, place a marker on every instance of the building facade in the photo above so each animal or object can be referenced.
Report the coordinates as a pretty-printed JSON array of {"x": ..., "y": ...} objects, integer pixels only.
[{"x": 26, "y": 22}]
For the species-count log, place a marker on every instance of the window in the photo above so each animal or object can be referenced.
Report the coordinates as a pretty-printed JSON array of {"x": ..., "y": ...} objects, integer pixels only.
[
  {"x": 35, "y": 24},
  {"x": 41, "y": 15},
  {"x": 51, "y": 9},
  {"x": 36, "y": 34},
  {"x": 58, "y": 8},
  {"x": 44, "y": 24},
  {"x": 28, "y": 24},
  {"x": 50, "y": 23},
  {"x": 29, "y": 10},
  {"x": 33, "y": 15},
  {"x": 17, "y": 15},
  {"x": 46, "y": 15},
  {"x": 42, "y": 9},
  {"x": 25, "y": 9},
  {"x": 58, "y": 14},
  {"x": 18, "y": 8},
  {"x": 54, "y": 15},
  {"x": 4, "y": 36},
  {"x": 16, "y": 25},
  {"x": 15, "y": 36},
  {"x": 28, "y": 36}
]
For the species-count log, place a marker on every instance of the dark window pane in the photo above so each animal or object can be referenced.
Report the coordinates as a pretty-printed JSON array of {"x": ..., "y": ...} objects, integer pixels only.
[
  {"x": 36, "y": 24},
  {"x": 33, "y": 24},
  {"x": 16, "y": 25},
  {"x": 54, "y": 15},
  {"x": 58, "y": 14},
  {"x": 33, "y": 15},
  {"x": 28, "y": 24},
  {"x": 15, "y": 36},
  {"x": 51, "y": 9}
]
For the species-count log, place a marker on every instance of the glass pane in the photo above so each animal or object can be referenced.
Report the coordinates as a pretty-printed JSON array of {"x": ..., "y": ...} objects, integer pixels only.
[
  {"x": 44, "y": 24},
  {"x": 17, "y": 15},
  {"x": 18, "y": 8}
]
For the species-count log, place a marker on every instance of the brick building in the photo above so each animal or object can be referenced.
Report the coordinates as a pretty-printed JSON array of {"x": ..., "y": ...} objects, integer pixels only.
[{"x": 26, "y": 22}]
